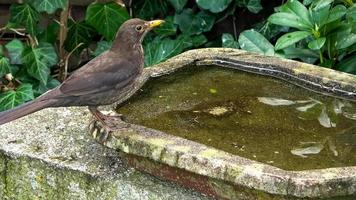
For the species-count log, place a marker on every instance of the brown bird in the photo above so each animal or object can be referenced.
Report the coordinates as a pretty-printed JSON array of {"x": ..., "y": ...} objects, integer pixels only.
[{"x": 102, "y": 81}]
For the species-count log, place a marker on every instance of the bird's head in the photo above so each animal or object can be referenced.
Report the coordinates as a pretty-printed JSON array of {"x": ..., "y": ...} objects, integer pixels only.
[{"x": 134, "y": 30}]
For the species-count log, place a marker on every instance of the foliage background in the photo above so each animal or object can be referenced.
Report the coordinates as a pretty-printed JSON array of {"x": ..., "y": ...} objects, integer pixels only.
[{"x": 49, "y": 40}]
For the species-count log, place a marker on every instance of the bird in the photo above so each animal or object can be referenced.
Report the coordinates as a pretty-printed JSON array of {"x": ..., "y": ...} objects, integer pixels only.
[{"x": 102, "y": 81}]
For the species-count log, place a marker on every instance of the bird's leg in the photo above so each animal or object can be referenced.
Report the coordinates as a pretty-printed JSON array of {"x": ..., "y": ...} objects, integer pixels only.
[{"x": 108, "y": 122}]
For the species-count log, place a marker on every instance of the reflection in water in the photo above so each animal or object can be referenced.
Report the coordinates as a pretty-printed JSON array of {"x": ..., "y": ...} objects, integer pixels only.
[{"x": 249, "y": 115}]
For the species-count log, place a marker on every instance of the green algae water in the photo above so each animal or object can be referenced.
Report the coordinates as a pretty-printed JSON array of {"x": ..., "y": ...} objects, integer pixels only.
[{"x": 253, "y": 116}]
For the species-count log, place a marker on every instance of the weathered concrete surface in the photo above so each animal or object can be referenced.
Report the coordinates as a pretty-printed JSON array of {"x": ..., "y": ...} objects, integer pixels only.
[{"x": 48, "y": 155}]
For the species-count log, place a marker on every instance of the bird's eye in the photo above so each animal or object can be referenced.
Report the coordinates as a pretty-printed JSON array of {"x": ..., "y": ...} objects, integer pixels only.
[{"x": 138, "y": 28}]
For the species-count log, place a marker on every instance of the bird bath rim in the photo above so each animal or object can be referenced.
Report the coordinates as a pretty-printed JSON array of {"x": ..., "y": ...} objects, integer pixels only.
[{"x": 235, "y": 170}]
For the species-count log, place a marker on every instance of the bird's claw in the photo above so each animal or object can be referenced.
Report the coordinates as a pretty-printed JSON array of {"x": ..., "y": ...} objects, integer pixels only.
[{"x": 102, "y": 130}]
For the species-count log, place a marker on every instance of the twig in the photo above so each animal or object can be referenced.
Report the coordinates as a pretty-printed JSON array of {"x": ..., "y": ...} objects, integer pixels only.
[
  {"x": 62, "y": 37},
  {"x": 234, "y": 26},
  {"x": 65, "y": 72}
]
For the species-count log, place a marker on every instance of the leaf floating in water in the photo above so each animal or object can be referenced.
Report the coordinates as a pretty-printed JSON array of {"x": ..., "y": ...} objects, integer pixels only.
[
  {"x": 212, "y": 90},
  {"x": 306, "y": 107},
  {"x": 275, "y": 101},
  {"x": 325, "y": 120},
  {"x": 309, "y": 149},
  {"x": 338, "y": 105},
  {"x": 349, "y": 112},
  {"x": 332, "y": 147}
]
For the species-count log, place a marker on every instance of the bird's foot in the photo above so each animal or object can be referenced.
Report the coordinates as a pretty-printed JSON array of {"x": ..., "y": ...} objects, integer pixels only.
[{"x": 102, "y": 129}]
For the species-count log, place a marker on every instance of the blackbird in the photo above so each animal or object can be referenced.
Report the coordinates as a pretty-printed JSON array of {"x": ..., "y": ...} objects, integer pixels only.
[{"x": 102, "y": 81}]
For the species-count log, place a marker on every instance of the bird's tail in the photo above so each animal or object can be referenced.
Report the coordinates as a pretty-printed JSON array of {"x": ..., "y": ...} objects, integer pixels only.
[{"x": 23, "y": 110}]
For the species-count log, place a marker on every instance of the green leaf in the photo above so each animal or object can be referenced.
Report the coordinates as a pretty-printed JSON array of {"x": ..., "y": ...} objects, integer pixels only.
[
  {"x": 49, "y": 6},
  {"x": 50, "y": 34},
  {"x": 321, "y": 15},
  {"x": 194, "y": 24},
  {"x": 254, "y": 41},
  {"x": 101, "y": 47},
  {"x": 38, "y": 60},
  {"x": 106, "y": 18},
  {"x": 292, "y": 52},
  {"x": 15, "y": 48},
  {"x": 198, "y": 40},
  {"x": 346, "y": 41},
  {"x": 320, "y": 4},
  {"x": 298, "y": 9},
  {"x": 161, "y": 49},
  {"x": 214, "y": 6},
  {"x": 290, "y": 38},
  {"x": 290, "y": 20},
  {"x": 336, "y": 13},
  {"x": 351, "y": 13},
  {"x": 78, "y": 32},
  {"x": 4, "y": 66},
  {"x": 41, "y": 88},
  {"x": 317, "y": 44},
  {"x": 348, "y": 65},
  {"x": 148, "y": 9},
  {"x": 24, "y": 15},
  {"x": 167, "y": 28},
  {"x": 307, "y": 2},
  {"x": 178, "y": 4},
  {"x": 253, "y": 6},
  {"x": 228, "y": 41},
  {"x": 13, "y": 98},
  {"x": 270, "y": 30},
  {"x": 1, "y": 50}
]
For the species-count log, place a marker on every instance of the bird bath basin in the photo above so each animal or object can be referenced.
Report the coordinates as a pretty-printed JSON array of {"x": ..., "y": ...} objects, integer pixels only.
[{"x": 200, "y": 120}]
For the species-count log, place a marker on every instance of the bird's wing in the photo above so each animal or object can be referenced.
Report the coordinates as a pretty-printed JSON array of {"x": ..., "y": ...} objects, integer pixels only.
[{"x": 100, "y": 75}]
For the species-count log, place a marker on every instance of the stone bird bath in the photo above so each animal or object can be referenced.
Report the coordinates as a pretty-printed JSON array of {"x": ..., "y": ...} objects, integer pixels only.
[{"x": 216, "y": 172}]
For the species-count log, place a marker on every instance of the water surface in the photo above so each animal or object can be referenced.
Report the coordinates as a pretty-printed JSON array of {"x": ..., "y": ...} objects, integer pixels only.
[{"x": 249, "y": 115}]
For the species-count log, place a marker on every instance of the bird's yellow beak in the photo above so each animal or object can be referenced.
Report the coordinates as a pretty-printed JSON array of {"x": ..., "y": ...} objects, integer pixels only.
[{"x": 154, "y": 23}]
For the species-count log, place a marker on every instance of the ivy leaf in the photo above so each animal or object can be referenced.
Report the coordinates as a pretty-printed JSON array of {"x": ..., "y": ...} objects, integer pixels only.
[
  {"x": 161, "y": 49},
  {"x": 101, "y": 47},
  {"x": 167, "y": 28},
  {"x": 15, "y": 48},
  {"x": 317, "y": 44},
  {"x": 290, "y": 39},
  {"x": 78, "y": 32},
  {"x": 228, "y": 41},
  {"x": 13, "y": 98},
  {"x": 148, "y": 9},
  {"x": 24, "y": 15},
  {"x": 194, "y": 24},
  {"x": 49, "y": 6},
  {"x": 50, "y": 34},
  {"x": 178, "y": 4},
  {"x": 254, "y": 41},
  {"x": 253, "y": 6},
  {"x": 198, "y": 40},
  {"x": 214, "y": 6},
  {"x": 41, "y": 88},
  {"x": 106, "y": 18},
  {"x": 4, "y": 66},
  {"x": 38, "y": 61}
]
